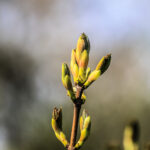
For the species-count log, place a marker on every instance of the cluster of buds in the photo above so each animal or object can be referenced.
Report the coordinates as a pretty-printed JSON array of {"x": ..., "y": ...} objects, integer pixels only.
[
  {"x": 83, "y": 78},
  {"x": 82, "y": 74}
]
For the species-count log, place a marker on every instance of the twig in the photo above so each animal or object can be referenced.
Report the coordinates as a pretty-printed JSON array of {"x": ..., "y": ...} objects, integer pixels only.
[
  {"x": 74, "y": 126},
  {"x": 76, "y": 112}
]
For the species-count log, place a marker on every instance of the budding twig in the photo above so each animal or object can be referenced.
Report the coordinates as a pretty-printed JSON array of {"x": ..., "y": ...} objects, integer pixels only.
[{"x": 83, "y": 78}]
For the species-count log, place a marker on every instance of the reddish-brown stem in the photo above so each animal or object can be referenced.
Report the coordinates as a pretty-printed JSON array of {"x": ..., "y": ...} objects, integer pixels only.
[
  {"x": 74, "y": 126},
  {"x": 76, "y": 112}
]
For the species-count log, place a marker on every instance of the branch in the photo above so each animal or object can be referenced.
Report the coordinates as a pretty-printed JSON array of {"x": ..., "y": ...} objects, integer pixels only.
[{"x": 77, "y": 108}]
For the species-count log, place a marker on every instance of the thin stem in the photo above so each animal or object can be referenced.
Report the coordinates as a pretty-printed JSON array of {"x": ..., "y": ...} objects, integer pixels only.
[
  {"x": 76, "y": 112},
  {"x": 74, "y": 126}
]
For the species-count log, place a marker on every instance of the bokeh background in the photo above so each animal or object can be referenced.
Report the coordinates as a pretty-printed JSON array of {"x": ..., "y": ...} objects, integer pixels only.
[{"x": 36, "y": 36}]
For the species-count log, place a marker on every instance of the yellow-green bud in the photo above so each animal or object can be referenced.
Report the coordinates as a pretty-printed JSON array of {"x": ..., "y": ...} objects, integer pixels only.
[
  {"x": 83, "y": 62},
  {"x": 86, "y": 120},
  {"x": 57, "y": 126},
  {"x": 73, "y": 57},
  {"x": 65, "y": 70},
  {"x": 81, "y": 123},
  {"x": 100, "y": 69},
  {"x": 66, "y": 79},
  {"x": 57, "y": 118},
  {"x": 63, "y": 139},
  {"x": 84, "y": 135},
  {"x": 83, "y": 98},
  {"x": 74, "y": 66},
  {"x": 85, "y": 125},
  {"x": 92, "y": 77},
  {"x": 82, "y": 44},
  {"x": 82, "y": 75},
  {"x": 104, "y": 63}
]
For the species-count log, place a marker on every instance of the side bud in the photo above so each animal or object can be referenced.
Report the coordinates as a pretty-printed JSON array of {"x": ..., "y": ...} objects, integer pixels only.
[
  {"x": 66, "y": 80},
  {"x": 74, "y": 66},
  {"x": 82, "y": 44},
  {"x": 100, "y": 69},
  {"x": 92, "y": 77},
  {"x": 85, "y": 126},
  {"x": 57, "y": 119},
  {"x": 57, "y": 126},
  {"x": 104, "y": 63}
]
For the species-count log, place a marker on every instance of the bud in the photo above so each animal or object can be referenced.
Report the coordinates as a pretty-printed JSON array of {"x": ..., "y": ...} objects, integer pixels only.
[
  {"x": 83, "y": 98},
  {"x": 66, "y": 79},
  {"x": 85, "y": 125},
  {"x": 65, "y": 70},
  {"x": 82, "y": 76},
  {"x": 100, "y": 69},
  {"x": 85, "y": 120},
  {"x": 131, "y": 136},
  {"x": 74, "y": 66},
  {"x": 82, "y": 44},
  {"x": 82, "y": 66},
  {"x": 83, "y": 62},
  {"x": 82, "y": 57},
  {"x": 104, "y": 63},
  {"x": 57, "y": 126},
  {"x": 57, "y": 119},
  {"x": 92, "y": 77}
]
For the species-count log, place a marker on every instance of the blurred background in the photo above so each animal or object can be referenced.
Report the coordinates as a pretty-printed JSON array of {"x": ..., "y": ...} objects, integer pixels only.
[{"x": 36, "y": 36}]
